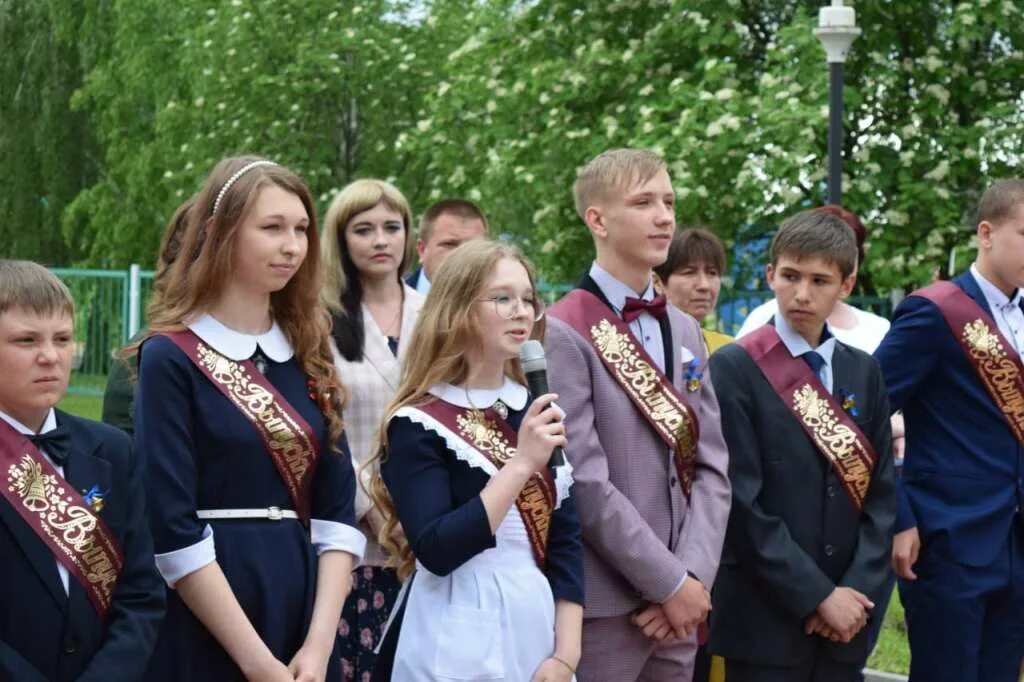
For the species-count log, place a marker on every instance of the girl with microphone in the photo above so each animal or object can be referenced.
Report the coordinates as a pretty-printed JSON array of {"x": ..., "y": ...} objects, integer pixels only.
[{"x": 491, "y": 531}]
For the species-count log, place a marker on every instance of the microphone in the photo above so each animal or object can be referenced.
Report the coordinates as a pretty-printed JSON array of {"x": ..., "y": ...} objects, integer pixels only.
[{"x": 535, "y": 367}]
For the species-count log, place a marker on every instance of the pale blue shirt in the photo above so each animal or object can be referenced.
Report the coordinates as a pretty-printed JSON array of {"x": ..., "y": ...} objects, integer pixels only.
[
  {"x": 797, "y": 346},
  {"x": 422, "y": 283},
  {"x": 1005, "y": 309},
  {"x": 645, "y": 327}
]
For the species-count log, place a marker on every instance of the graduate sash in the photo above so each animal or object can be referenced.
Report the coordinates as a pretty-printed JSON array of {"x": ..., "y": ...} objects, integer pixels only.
[
  {"x": 492, "y": 437},
  {"x": 61, "y": 518},
  {"x": 836, "y": 436},
  {"x": 651, "y": 392},
  {"x": 289, "y": 439},
  {"x": 994, "y": 359}
]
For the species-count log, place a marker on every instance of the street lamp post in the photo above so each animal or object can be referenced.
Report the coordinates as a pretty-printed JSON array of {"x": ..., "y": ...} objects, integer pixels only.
[{"x": 837, "y": 29}]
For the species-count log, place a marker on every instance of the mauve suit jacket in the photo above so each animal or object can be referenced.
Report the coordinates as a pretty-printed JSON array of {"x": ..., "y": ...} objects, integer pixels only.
[{"x": 641, "y": 535}]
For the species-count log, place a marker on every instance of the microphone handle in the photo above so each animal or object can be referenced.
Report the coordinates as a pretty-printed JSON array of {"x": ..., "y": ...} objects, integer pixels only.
[{"x": 538, "y": 384}]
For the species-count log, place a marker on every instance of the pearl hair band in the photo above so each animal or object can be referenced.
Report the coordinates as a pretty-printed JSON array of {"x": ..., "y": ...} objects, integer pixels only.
[{"x": 234, "y": 178}]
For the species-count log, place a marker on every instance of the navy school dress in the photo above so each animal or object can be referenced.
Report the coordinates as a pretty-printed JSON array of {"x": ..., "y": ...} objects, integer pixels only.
[
  {"x": 200, "y": 453},
  {"x": 478, "y": 606}
]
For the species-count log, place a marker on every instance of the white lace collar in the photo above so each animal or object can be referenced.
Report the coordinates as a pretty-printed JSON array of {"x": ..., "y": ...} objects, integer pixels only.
[
  {"x": 237, "y": 345},
  {"x": 511, "y": 393}
]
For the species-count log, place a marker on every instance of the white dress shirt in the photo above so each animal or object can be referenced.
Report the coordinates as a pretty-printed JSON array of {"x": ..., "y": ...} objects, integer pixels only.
[
  {"x": 1005, "y": 309},
  {"x": 48, "y": 425},
  {"x": 645, "y": 327}
]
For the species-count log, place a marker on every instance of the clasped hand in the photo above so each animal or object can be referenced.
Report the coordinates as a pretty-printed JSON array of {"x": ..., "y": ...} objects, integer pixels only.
[
  {"x": 679, "y": 616},
  {"x": 841, "y": 616}
]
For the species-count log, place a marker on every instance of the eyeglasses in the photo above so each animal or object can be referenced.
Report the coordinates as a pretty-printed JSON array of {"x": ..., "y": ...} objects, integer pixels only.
[{"x": 507, "y": 306}]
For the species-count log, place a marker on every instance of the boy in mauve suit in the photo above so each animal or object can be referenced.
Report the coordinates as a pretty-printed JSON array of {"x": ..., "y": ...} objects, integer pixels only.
[{"x": 643, "y": 432}]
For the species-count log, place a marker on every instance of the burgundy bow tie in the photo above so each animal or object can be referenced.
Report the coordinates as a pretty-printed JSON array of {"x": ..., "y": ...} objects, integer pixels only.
[{"x": 635, "y": 306}]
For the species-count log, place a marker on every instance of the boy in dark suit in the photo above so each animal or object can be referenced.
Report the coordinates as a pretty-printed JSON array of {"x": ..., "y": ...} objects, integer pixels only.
[
  {"x": 806, "y": 419},
  {"x": 80, "y": 597},
  {"x": 952, "y": 363}
]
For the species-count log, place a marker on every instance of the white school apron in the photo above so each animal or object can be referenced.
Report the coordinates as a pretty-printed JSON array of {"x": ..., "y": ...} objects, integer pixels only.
[{"x": 493, "y": 618}]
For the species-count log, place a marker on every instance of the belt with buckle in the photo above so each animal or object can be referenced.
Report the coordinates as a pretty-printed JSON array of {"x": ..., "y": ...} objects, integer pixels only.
[{"x": 271, "y": 513}]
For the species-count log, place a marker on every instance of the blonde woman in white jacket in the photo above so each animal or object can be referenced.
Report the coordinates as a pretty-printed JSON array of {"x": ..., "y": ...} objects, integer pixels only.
[{"x": 367, "y": 247}]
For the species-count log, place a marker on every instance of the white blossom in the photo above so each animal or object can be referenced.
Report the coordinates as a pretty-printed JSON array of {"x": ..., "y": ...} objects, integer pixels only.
[
  {"x": 939, "y": 172},
  {"x": 938, "y": 92},
  {"x": 897, "y": 218}
]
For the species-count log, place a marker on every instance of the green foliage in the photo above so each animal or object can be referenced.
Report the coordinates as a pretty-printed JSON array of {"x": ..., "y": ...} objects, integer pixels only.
[{"x": 501, "y": 101}]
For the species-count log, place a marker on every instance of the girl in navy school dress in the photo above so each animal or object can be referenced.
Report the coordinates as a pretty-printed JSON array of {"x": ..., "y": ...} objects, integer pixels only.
[
  {"x": 464, "y": 452},
  {"x": 238, "y": 422},
  {"x": 367, "y": 245}
]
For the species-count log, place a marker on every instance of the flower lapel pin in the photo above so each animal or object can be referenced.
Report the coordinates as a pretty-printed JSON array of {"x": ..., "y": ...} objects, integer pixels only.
[
  {"x": 95, "y": 498},
  {"x": 848, "y": 400},
  {"x": 693, "y": 375}
]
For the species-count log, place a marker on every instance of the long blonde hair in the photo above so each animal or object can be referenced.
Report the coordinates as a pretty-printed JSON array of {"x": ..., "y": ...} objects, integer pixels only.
[
  {"x": 444, "y": 331},
  {"x": 342, "y": 293},
  {"x": 204, "y": 265}
]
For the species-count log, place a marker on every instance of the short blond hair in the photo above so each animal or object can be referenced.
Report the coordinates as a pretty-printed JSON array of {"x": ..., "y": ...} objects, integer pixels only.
[
  {"x": 613, "y": 170},
  {"x": 28, "y": 285}
]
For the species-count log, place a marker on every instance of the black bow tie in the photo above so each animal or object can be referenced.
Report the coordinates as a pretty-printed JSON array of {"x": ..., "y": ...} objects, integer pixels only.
[{"x": 56, "y": 444}]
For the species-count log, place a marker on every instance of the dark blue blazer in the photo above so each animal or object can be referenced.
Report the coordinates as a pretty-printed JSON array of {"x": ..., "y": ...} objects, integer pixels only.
[
  {"x": 961, "y": 482},
  {"x": 413, "y": 277},
  {"x": 47, "y": 635}
]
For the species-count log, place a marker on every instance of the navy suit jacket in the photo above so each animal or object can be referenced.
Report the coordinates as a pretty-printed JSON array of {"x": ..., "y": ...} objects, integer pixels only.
[
  {"x": 413, "y": 277},
  {"x": 47, "y": 635},
  {"x": 961, "y": 482}
]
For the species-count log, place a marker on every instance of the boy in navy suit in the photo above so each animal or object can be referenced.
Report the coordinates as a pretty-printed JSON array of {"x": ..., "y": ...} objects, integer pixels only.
[
  {"x": 952, "y": 363},
  {"x": 807, "y": 423},
  {"x": 80, "y": 597}
]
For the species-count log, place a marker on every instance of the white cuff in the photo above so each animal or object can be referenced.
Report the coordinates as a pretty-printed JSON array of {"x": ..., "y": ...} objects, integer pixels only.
[
  {"x": 678, "y": 587},
  {"x": 174, "y": 566},
  {"x": 334, "y": 536}
]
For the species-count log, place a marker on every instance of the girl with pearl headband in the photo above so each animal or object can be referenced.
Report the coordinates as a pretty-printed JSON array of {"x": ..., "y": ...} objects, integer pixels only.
[{"x": 238, "y": 422}]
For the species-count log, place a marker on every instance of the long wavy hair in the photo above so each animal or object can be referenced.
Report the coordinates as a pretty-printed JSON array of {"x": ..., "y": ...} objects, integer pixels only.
[
  {"x": 197, "y": 277},
  {"x": 445, "y": 330},
  {"x": 343, "y": 291}
]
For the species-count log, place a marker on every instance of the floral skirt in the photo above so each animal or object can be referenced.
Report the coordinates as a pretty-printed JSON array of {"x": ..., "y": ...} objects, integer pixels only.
[{"x": 374, "y": 590}]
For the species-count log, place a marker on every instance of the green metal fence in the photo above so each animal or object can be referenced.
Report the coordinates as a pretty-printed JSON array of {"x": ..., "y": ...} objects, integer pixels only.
[{"x": 110, "y": 307}]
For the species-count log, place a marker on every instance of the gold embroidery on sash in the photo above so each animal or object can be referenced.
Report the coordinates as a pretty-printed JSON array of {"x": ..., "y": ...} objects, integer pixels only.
[
  {"x": 641, "y": 380},
  {"x": 258, "y": 405},
  {"x": 839, "y": 443},
  {"x": 535, "y": 501},
  {"x": 998, "y": 371},
  {"x": 71, "y": 527}
]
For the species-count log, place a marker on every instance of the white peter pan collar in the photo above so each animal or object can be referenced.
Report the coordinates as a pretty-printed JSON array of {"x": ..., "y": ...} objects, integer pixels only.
[
  {"x": 237, "y": 345},
  {"x": 511, "y": 393}
]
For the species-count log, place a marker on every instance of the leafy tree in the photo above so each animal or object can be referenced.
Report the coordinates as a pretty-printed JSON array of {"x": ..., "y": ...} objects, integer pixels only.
[
  {"x": 46, "y": 151},
  {"x": 326, "y": 88},
  {"x": 734, "y": 94}
]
